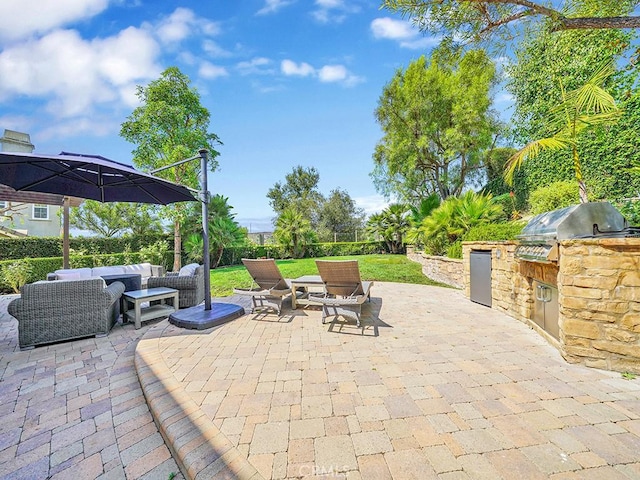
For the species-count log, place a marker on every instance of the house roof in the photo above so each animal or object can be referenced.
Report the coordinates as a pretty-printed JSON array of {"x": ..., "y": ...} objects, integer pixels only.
[{"x": 8, "y": 194}]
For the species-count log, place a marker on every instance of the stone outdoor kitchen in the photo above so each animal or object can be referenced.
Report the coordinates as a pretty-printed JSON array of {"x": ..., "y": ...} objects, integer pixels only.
[{"x": 581, "y": 294}]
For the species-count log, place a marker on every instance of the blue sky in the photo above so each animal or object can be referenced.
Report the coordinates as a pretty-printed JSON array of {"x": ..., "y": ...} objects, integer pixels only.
[{"x": 287, "y": 82}]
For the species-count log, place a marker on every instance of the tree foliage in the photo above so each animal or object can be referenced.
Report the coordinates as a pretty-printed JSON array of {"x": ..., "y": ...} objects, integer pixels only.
[
  {"x": 339, "y": 214},
  {"x": 437, "y": 125},
  {"x": 541, "y": 60},
  {"x": 114, "y": 219},
  {"x": 580, "y": 110},
  {"x": 224, "y": 231},
  {"x": 294, "y": 232},
  {"x": 299, "y": 191},
  {"x": 453, "y": 218},
  {"x": 171, "y": 125},
  {"x": 475, "y": 21},
  {"x": 390, "y": 225}
]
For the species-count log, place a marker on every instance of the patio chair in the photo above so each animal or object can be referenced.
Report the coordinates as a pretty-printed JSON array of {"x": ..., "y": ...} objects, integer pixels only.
[
  {"x": 268, "y": 288},
  {"x": 189, "y": 281},
  {"x": 345, "y": 292}
]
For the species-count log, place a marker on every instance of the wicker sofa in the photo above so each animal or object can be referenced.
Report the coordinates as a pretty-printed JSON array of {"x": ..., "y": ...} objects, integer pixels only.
[
  {"x": 189, "y": 281},
  {"x": 145, "y": 270},
  {"x": 54, "y": 311}
]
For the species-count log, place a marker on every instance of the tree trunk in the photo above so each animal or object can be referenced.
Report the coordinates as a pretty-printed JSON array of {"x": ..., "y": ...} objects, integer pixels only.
[
  {"x": 598, "y": 23},
  {"x": 583, "y": 192},
  {"x": 177, "y": 247}
]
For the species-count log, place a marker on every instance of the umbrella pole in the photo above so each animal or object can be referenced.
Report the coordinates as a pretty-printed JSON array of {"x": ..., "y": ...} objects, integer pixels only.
[
  {"x": 65, "y": 233},
  {"x": 196, "y": 317},
  {"x": 205, "y": 228}
]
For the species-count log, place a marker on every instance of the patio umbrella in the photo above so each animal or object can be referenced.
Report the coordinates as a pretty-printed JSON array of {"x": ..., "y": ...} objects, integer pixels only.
[{"x": 87, "y": 176}]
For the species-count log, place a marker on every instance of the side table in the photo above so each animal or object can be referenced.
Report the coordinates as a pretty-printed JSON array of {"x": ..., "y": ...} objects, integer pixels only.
[
  {"x": 137, "y": 297},
  {"x": 306, "y": 282}
]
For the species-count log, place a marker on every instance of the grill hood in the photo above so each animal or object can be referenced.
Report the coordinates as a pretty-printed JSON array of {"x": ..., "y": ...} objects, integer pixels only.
[{"x": 539, "y": 238}]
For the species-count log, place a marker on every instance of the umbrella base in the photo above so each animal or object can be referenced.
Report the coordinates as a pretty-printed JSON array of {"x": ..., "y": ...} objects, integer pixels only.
[{"x": 197, "y": 318}]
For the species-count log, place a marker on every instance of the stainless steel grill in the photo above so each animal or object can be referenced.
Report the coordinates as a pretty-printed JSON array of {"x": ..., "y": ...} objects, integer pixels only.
[{"x": 539, "y": 239}]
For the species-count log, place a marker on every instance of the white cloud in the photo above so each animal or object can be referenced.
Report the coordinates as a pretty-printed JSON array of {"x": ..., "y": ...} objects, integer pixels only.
[
  {"x": 215, "y": 50},
  {"x": 183, "y": 23},
  {"x": 403, "y": 32},
  {"x": 372, "y": 203},
  {"x": 210, "y": 71},
  {"x": 255, "y": 66},
  {"x": 326, "y": 74},
  {"x": 332, "y": 73},
  {"x": 392, "y": 29},
  {"x": 333, "y": 11},
  {"x": 74, "y": 74},
  {"x": 272, "y": 6},
  {"x": 289, "y": 67},
  {"x": 22, "y": 18}
]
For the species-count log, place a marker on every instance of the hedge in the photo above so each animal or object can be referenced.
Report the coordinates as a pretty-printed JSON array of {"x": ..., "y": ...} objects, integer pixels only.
[
  {"x": 40, "y": 267},
  {"x": 17, "y": 248},
  {"x": 231, "y": 256},
  {"x": 234, "y": 255}
]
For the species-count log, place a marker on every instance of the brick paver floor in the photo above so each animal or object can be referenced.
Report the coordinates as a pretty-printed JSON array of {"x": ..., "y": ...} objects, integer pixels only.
[
  {"x": 75, "y": 410},
  {"x": 434, "y": 386}
]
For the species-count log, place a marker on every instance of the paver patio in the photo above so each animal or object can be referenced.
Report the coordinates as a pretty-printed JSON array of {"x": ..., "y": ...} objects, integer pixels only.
[{"x": 437, "y": 387}]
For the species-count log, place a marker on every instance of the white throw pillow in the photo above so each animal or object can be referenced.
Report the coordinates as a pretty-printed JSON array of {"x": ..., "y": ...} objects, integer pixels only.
[
  {"x": 70, "y": 276},
  {"x": 144, "y": 269},
  {"x": 188, "y": 270},
  {"x": 81, "y": 272},
  {"x": 99, "y": 271}
]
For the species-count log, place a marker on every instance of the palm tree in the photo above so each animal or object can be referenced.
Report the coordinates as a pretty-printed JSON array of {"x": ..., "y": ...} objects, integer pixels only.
[
  {"x": 391, "y": 224},
  {"x": 294, "y": 232},
  {"x": 581, "y": 109},
  {"x": 455, "y": 217}
]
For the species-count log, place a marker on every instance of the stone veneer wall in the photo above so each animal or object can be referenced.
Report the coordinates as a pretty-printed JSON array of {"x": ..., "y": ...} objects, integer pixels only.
[
  {"x": 441, "y": 269},
  {"x": 599, "y": 296},
  {"x": 598, "y": 284}
]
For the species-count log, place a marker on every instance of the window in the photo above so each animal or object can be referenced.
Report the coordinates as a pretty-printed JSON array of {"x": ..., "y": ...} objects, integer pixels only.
[
  {"x": 41, "y": 212},
  {"x": 3, "y": 204}
]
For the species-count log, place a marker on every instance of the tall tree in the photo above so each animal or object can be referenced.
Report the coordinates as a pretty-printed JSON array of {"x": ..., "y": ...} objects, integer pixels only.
[
  {"x": 437, "y": 125},
  {"x": 472, "y": 21},
  {"x": 580, "y": 110},
  {"x": 299, "y": 191},
  {"x": 170, "y": 125},
  {"x": 339, "y": 214},
  {"x": 543, "y": 62},
  {"x": 294, "y": 232},
  {"x": 112, "y": 219},
  {"x": 391, "y": 225}
]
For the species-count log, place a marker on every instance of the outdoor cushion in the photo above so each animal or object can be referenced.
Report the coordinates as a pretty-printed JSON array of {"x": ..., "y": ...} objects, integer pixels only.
[
  {"x": 80, "y": 272},
  {"x": 99, "y": 271},
  {"x": 188, "y": 270},
  {"x": 144, "y": 269}
]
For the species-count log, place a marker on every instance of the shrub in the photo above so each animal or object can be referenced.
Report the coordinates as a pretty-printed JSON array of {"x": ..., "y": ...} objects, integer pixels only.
[
  {"x": 494, "y": 232},
  {"x": 455, "y": 250},
  {"x": 553, "y": 196},
  {"x": 16, "y": 274}
]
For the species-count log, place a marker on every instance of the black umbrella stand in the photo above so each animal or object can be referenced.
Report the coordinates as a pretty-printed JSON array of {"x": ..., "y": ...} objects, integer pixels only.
[{"x": 210, "y": 315}]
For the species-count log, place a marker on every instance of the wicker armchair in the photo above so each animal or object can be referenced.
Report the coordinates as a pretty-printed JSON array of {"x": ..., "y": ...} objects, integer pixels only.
[
  {"x": 191, "y": 287},
  {"x": 63, "y": 310}
]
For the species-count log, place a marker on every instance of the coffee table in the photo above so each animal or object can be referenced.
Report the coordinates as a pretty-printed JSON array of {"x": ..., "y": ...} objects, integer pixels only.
[
  {"x": 306, "y": 281},
  {"x": 140, "y": 314}
]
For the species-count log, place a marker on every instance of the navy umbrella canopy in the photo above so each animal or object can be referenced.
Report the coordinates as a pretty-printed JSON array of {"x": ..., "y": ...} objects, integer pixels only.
[{"x": 87, "y": 176}]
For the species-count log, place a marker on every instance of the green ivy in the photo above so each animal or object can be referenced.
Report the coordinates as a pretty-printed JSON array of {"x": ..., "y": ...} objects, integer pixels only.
[
  {"x": 554, "y": 196},
  {"x": 494, "y": 232}
]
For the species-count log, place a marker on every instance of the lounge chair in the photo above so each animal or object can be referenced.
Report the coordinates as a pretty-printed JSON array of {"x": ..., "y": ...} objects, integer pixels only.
[
  {"x": 345, "y": 292},
  {"x": 268, "y": 288}
]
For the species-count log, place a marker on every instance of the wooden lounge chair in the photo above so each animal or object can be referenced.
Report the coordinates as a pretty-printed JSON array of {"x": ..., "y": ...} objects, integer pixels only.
[
  {"x": 268, "y": 288},
  {"x": 345, "y": 292}
]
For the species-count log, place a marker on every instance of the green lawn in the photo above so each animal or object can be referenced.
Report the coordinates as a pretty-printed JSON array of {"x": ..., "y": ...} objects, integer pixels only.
[{"x": 384, "y": 268}]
